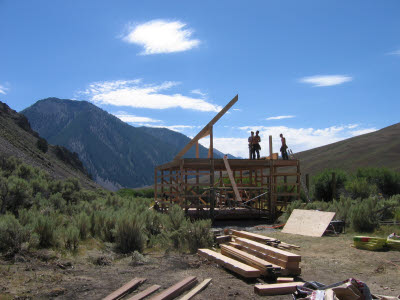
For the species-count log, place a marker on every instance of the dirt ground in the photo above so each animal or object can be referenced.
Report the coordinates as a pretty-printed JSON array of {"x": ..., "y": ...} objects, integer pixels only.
[{"x": 94, "y": 272}]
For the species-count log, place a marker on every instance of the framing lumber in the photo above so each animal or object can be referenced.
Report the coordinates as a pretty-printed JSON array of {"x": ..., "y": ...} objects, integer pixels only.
[
  {"x": 150, "y": 290},
  {"x": 206, "y": 128},
  {"x": 232, "y": 179},
  {"x": 126, "y": 288},
  {"x": 230, "y": 264},
  {"x": 177, "y": 289},
  {"x": 278, "y": 253},
  {"x": 276, "y": 288},
  {"x": 253, "y": 236},
  {"x": 196, "y": 290},
  {"x": 284, "y": 279},
  {"x": 246, "y": 258}
]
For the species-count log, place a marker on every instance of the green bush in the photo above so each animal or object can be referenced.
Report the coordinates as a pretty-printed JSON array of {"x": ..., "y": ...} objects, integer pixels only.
[
  {"x": 387, "y": 181},
  {"x": 45, "y": 227},
  {"x": 82, "y": 222},
  {"x": 12, "y": 235},
  {"x": 42, "y": 144},
  {"x": 19, "y": 194},
  {"x": 359, "y": 187},
  {"x": 323, "y": 184},
  {"x": 199, "y": 235},
  {"x": 70, "y": 237},
  {"x": 363, "y": 215},
  {"x": 129, "y": 235},
  {"x": 175, "y": 227}
]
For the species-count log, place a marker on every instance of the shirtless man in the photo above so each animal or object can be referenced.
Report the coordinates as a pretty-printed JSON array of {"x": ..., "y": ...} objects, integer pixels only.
[{"x": 283, "y": 148}]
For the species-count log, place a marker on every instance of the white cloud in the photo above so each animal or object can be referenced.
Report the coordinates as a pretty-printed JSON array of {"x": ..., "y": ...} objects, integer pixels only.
[
  {"x": 326, "y": 80},
  {"x": 198, "y": 92},
  {"x": 161, "y": 36},
  {"x": 178, "y": 128},
  {"x": 396, "y": 52},
  {"x": 123, "y": 116},
  {"x": 298, "y": 139},
  {"x": 3, "y": 89},
  {"x": 133, "y": 93},
  {"x": 279, "y": 117},
  {"x": 236, "y": 109}
]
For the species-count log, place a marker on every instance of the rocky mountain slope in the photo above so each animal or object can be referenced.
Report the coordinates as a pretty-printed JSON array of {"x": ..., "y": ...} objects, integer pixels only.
[
  {"x": 19, "y": 140},
  {"x": 115, "y": 153}
]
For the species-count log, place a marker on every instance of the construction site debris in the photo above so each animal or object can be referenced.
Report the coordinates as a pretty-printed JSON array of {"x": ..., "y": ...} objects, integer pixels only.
[
  {"x": 308, "y": 222},
  {"x": 369, "y": 243},
  {"x": 276, "y": 288}
]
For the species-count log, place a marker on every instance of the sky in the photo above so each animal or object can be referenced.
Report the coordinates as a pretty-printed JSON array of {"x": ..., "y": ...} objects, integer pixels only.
[{"x": 317, "y": 71}]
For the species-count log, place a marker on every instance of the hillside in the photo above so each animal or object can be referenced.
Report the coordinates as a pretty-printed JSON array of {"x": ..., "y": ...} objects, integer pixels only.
[
  {"x": 115, "y": 153},
  {"x": 376, "y": 149},
  {"x": 19, "y": 140}
]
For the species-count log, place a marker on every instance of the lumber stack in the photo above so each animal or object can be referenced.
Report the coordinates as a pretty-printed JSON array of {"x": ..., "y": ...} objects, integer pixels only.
[
  {"x": 289, "y": 262},
  {"x": 230, "y": 264},
  {"x": 276, "y": 288}
]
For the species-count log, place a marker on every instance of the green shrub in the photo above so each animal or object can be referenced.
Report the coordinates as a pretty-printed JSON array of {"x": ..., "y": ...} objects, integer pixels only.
[
  {"x": 363, "y": 215},
  {"x": 129, "y": 235},
  {"x": 42, "y": 144},
  {"x": 82, "y": 222},
  {"x": 323, "y": 184},
  {"x": 8, "y": 165},
  {"x": 19, "y": 194},
  {"x": 70, "y": 237},
  {"x": 199, "y": 235},
  {"x": 12, "y": 235},
  {"x": 175, "y": 227},
  {"x": 45, "y": 227},
  {"x": 361, "y": 188},
  {"x": 387, "y": 181}
]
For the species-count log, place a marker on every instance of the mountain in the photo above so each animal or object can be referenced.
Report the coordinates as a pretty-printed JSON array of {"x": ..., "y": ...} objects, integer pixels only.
[
  {"x": 115, "y": 153},
  {"x": 18, "y": 139},
  {"x": 376, "y": 149}
]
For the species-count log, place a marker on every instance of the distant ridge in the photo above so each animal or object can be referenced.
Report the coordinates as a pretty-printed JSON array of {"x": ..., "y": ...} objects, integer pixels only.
[
  {"x": 380, "y": 148},
  {"x": 115, "y": 153}
]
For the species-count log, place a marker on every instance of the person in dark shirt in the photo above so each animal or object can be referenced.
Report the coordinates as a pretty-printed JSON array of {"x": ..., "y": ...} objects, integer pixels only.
[{"x": 283, "y": 148}]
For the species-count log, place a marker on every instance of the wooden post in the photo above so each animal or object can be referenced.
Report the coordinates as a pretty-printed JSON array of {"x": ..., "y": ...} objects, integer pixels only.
[
  {"x": 212, "y": 190},
  {"x": 333, "y": 185},
  {"x": 211, "y": 143},
  {"x": 270, "y": 147},
  {"x": 197, "y": 185},
  {"x": 308, "y": 184},
  {"x": 180, "y": 183},
  {"x": 170, "y": 185},
  {"x": 197, "y": 149},
  {"x": 298, "y": 179}
]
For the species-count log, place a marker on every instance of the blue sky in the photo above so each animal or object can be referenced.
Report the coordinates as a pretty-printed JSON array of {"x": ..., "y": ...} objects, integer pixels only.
[{"x": 317, "y": 71}]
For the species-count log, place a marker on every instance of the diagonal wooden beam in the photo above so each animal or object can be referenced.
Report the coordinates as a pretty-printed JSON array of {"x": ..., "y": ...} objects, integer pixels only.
[
  {"x": 206, "y": 128},
  {"x": 232, "y": 179}
]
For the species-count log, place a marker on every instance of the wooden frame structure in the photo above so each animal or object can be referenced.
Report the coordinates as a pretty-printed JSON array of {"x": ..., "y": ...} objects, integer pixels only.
[{"x": 221, "y": 188}]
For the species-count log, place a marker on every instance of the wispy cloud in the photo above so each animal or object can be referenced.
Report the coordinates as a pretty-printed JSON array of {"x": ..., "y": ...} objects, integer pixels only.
[
  {"x": 178, "y": 128},
  {"x": 198, "y": 92},
  {"x": 280, "y": 117},
  {"x": 3, "y": 89},
  {"x": 133, "y": 93},
  {"x": 326, "y": 80},
  {"x": 236, "y": 109},
  {"x": 298, "y": 139},
  {"x": 161, "y": 36},
  {"x": 396, "y": 52},
  {"x": 126, "y": 117}
]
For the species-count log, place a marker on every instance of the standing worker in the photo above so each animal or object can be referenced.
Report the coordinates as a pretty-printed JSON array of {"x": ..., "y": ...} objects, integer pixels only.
[
  {"x": 251, "y": 148},
  {"x": 256, "y": 145},
  {"x": 283, "y": 148}
]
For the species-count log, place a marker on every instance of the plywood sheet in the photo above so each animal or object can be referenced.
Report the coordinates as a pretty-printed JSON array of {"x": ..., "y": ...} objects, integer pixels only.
[{"x": 308, "y": 222}]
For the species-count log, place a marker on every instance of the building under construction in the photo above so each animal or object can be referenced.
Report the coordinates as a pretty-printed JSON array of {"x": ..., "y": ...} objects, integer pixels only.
[{"x": 222, "y": 188}]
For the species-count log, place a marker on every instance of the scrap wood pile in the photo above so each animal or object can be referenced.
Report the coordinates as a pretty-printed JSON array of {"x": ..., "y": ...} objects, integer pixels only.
[
  {"x": 169, "y": 293},
  {"x": 253, "y": 255}
]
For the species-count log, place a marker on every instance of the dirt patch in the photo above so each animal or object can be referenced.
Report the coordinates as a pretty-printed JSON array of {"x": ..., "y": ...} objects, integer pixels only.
[{"x": 94, "y": 274}]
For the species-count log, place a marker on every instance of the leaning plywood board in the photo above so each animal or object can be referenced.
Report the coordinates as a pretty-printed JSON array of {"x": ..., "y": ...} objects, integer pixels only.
[
  {"x": 308, "y": 222},
  {"x": 229, "y": 263},
  {"x": 276, "y": 288}
]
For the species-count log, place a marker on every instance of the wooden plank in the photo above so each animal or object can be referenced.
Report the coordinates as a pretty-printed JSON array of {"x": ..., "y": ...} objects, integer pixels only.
[
  {"x": 231, "y": 178},
  {"x": 126, "y": 288},
  {"x": 223, "y": 239},
  {"x": 246, "y": 258},
  {"x": 308, "y": 222},
  {"x": 146, "y": 292},
  {"x": 206, "y": 128},
  {"x": 253, "y": 236},
  {"x": 230, "y": 264},
  {"x": 276, "y": 288},
  {"x": 278, "y": 253},
  {"x": 196, "y": 290},
  {"x": 284, "y": 279},
  {"x": 177, "y": 289}
]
